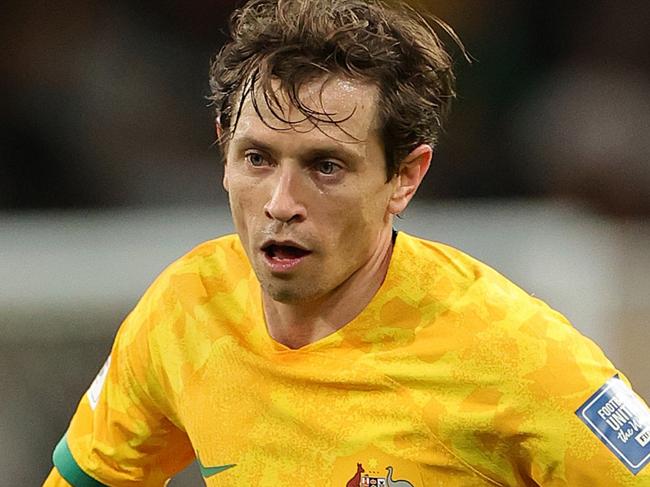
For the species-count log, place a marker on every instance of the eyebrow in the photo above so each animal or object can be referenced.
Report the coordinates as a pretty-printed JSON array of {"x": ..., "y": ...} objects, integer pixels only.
[
  {"x": 315, "y": 152},
  {"x": 247, "y": 140}
]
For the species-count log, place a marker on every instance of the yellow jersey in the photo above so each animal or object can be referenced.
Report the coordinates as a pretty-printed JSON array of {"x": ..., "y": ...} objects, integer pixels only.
[{"x": 451, "y": 376}]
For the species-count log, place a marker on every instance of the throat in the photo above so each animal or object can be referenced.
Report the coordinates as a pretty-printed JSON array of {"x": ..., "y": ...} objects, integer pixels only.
[{"x": 296, "y": 325}]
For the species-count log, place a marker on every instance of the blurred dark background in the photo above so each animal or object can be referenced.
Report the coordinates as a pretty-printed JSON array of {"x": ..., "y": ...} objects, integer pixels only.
[{"x": 104, "y": 103}]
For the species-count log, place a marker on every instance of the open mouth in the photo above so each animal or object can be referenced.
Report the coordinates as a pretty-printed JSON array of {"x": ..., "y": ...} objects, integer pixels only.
[
  {"x": 283, "y": 257},
  {"x": 284, "y": 252}
]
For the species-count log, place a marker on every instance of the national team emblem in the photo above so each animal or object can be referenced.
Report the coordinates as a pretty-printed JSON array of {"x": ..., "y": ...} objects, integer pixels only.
[
  {"x": 372, "y": 479},
  {"x": 373, "y": 467}
]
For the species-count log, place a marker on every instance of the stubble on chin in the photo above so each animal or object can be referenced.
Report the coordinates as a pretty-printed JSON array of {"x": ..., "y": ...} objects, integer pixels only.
[
  {"x": 284, "y": 295},
  {"x": 288, "y": 293}
]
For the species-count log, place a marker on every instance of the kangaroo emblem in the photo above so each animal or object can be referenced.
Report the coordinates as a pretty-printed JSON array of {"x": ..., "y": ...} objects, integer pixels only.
[
  {"x": 356, "y": 480},
  {"x": 395, "y": 483}
]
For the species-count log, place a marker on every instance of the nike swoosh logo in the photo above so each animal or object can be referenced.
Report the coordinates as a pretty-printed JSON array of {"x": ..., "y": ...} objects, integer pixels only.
[{"x": 210, "y": 471}]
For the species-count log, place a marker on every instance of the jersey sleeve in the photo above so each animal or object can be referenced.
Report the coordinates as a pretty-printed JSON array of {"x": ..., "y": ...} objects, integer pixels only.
[
  {"x": 563, "y": 414},
  {"x": 54, "y": 479},
  {"x": 125, "y": 430},
  {"x": 584, "y": 424}
]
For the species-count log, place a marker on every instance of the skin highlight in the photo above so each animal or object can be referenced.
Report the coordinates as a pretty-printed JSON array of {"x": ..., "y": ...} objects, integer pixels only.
[{"x": 321, "y": 187}]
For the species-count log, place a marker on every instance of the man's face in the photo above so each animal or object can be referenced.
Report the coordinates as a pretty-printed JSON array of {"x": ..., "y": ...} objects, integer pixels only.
[{"x": 309, "y": 201}]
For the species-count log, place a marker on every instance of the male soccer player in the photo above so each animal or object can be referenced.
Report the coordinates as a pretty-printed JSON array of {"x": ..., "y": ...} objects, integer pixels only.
[{"x": 319, "y": 347}]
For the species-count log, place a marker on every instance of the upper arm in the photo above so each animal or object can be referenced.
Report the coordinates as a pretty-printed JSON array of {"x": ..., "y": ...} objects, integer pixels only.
[
  {"x": 54, "y": 479},
  {"x": 569, "y": 388},
  {"x": 124, "y": 431}
]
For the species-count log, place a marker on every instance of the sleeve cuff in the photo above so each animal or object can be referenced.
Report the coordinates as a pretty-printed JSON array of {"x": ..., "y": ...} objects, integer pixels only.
[{"x": 69, "y": 469}]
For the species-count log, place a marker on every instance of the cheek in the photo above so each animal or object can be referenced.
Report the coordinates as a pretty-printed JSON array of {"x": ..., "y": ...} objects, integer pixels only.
[
  {"x": 373, "y": 204},
  {"x": 358, "y": 217},
  {"x": 242, "y": 205}
]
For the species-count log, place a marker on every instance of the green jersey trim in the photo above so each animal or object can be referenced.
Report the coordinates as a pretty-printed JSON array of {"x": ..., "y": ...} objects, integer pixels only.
[
  {"x": 210, "y": 471},
  {"x": 68, "y": 468}
]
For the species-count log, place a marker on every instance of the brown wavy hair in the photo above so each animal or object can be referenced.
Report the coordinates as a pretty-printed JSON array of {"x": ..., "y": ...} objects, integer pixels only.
[{"x": 296, "y": 41}]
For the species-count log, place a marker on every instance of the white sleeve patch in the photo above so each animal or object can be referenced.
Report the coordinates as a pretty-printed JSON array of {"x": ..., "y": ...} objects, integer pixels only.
[{"x": 96, "y": 387}]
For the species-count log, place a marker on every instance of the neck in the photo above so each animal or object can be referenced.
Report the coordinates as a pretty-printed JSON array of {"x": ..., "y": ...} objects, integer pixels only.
[{"x": 297, "y": 325}]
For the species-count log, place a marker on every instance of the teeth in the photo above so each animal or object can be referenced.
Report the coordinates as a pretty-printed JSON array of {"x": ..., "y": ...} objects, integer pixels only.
[{"x": 284, "y": 251}]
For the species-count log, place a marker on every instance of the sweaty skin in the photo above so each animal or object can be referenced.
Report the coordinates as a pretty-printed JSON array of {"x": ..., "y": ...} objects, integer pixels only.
[{"x": 312, "y": 207}]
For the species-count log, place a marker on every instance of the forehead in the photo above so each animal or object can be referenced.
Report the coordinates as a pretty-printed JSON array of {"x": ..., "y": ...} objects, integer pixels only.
[{"x": 342, "y": 109}]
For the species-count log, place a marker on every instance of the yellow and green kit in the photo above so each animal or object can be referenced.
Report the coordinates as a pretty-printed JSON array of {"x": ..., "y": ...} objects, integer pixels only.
[{"x": 451, "y": 376}]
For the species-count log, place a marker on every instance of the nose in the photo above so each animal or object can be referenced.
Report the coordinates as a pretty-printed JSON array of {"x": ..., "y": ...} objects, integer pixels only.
[{"x": 285, "y": 204}]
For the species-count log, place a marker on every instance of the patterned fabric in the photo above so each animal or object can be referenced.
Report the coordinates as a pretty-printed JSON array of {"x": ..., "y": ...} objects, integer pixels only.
[{"x": 451, "y": 376}]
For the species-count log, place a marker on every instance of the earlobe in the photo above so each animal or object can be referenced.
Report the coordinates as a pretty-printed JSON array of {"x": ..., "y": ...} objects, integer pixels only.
[
  {"x": 219, "y": 131},
  {"x": 411, "y": 172},
  {"x": 225, "y": 178}
]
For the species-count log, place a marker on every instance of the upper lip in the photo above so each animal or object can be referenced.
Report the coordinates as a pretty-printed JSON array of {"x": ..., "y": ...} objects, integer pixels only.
[{"x": 284, "y": 243}]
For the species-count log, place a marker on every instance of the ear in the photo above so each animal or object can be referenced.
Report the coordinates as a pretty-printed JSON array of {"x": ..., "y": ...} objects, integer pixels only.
[
  {"x": 225, "y": 178},
  {"x": 411, "y": 172},
  {"x": 219, "y": 131}
]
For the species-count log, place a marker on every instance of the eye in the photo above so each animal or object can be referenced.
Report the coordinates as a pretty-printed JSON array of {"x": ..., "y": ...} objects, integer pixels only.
[
  {"x": 327, "y": 167},
  {"x": 255, "y": 159}
]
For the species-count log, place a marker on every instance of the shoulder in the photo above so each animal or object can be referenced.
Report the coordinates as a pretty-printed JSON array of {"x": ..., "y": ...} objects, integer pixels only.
[
  {"x": 218, "y": 256},
  {"x": 497, "y": 332},
  {"x": 170, "y": 331},
  {"x": 518, "y": 369},
  {"x": 210, "y": 267},
  {"x": 193, "y": 294},
  {"x": 212, "y": 271},
  {"x": 435, "y": 259},
  {"x": 459, "y": 281},
  {"x": 490, "y": 306}
]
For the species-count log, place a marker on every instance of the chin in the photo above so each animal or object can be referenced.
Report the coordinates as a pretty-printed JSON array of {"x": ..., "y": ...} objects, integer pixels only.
[{"x": 290, "y": 294}]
